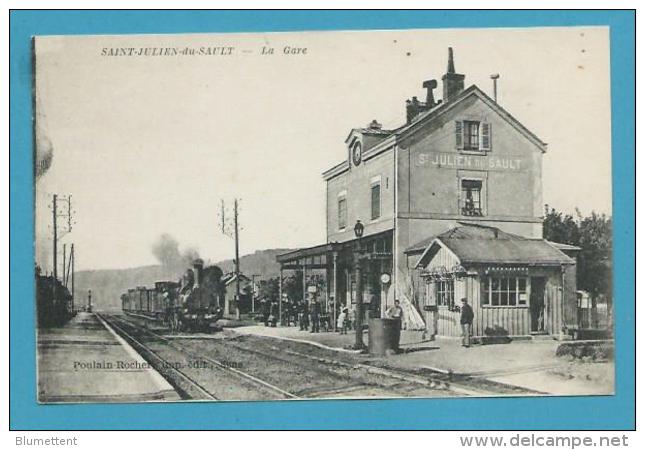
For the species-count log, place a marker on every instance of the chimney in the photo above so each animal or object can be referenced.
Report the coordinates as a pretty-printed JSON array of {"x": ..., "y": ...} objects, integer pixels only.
[
  {"x": 198, "y": 266},
  {"x": 374, "y": 125},
  {"x": 412, "y": 108},
  {"x": 453, "y": 83},
  {"x": 430, "y": 85}
]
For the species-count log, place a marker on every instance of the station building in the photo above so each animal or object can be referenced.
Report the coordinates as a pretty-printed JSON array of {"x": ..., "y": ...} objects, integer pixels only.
[{"x": 450, "y": 206}]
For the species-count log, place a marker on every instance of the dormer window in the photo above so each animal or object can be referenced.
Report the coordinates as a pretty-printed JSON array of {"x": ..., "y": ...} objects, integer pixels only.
[{"x": 472, "y": 135}]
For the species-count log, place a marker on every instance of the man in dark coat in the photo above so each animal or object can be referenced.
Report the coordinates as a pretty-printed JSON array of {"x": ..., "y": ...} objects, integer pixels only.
[
  {"x": 466, "y": 322},
  {"x": 315, "y": 316},
  {"x": 266, "y": 311},
  {"x": 303, "y": 315}
]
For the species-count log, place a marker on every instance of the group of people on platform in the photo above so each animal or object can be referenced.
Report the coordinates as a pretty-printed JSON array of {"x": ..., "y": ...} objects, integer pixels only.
[{"x": 310, "y": 316}]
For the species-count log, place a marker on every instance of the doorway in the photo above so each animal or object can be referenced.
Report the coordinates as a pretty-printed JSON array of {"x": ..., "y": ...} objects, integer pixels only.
[{"x": 537, "y": 304}]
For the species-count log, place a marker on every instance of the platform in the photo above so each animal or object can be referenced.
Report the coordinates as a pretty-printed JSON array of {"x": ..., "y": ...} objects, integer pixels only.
[
  {"x": 86, "y": 361},
  {"x": 530, "y": 364}
]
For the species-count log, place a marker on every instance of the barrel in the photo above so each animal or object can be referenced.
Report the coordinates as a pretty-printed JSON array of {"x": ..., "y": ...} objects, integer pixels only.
[{"x": 384, "y": 336}]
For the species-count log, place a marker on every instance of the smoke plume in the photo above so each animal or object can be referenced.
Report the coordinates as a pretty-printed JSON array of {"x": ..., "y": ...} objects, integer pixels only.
[{"x": 174, "y": 261}]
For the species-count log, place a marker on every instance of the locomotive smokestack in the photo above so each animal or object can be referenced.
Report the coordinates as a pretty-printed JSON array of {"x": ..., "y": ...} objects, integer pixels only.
[{"x": 198, "y": 266}]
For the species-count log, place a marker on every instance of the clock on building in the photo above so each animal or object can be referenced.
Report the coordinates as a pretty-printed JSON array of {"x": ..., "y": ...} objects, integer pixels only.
[{"x": 357, "y": 153}]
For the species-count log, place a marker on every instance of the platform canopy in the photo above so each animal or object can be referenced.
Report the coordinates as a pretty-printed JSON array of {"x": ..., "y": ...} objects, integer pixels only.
[{"x": 311, "y": 257}]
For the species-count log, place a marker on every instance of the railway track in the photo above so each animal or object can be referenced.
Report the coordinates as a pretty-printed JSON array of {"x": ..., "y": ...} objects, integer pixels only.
[
  {"x": 195, "y": 376},
  {"x": 254, "y": 368},
  {"x": 186, "y": 387},
  {"x": 300, "y": 375},
  {"x": 451, "y": 384}
]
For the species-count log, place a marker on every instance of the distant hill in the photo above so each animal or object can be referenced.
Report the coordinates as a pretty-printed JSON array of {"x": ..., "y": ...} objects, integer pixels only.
[
  {"x": 262, "y": 263},
  {"x": 107, "y": 285}
]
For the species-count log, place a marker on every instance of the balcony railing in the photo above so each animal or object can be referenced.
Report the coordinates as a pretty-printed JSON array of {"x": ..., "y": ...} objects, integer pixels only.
[{"x": 471, "y": 211}]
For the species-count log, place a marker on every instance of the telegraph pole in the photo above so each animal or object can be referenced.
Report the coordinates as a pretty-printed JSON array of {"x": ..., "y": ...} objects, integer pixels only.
[
  {"x": 234, "y": 234},
  {"x": 64, "y": 281},
  {"x": 56, "y": 237},
  {"x": 237, "y": 261},
  {"x": 72, "y": 263},
  {"x": 55, "y": 271}
]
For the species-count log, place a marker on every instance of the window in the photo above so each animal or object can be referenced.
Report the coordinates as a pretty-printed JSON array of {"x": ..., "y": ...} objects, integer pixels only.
[
  {"x": 505, "y": 291},
  {"x": 342, "y": 212},
  {"x": 471, "y": 198},
  {"x": 376, "y": 201},
  {"x": 473, "y": 135},
  {"x": 445, "y": 291}
]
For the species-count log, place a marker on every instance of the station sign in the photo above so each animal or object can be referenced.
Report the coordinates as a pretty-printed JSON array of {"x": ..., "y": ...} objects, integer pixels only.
[{"x": 471, "y": 162}]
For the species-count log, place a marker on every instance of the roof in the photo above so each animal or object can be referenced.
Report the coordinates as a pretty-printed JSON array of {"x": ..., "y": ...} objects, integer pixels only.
[
  {"x": 479, "y": 244},
  {"x": 316, "y": 250},
  {"x": 370, "y": 131},
  {"x": 472, "y": 90},
  {"x": 565, "y": 247},
  {"x": 230, "y": 277},
  {"x": 441, "y": 108}
]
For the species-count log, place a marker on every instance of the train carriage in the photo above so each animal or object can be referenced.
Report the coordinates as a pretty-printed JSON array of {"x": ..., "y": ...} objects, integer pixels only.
[
  {"x": 192, "y": 304},
  {"x": 132, "y": 299}
]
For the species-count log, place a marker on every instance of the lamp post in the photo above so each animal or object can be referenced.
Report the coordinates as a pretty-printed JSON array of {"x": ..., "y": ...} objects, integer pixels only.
[{"x": 358, "y": 265}]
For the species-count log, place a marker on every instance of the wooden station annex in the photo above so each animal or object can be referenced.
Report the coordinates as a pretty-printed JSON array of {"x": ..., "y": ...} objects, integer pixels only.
[{"x": 450, "y": 206}]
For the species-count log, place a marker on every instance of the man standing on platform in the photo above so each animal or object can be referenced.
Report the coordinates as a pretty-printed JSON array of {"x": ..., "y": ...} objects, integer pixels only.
[
  {"x": 315, "y": 316},
  {"x": 466, "y": 322},
  {"x": 395, "y": 312},
  {"x": 303, "y": 315}
]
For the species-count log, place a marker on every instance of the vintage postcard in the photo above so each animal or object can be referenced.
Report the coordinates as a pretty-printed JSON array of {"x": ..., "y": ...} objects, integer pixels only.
[{"x": 317, "y": 215}]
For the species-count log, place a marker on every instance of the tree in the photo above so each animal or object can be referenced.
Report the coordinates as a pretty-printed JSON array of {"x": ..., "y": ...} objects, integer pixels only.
[
  {"x": 560, "y": 228},
  {"x": 594, "y": 262},
  {"x": 593, "y": 234},
  {"x": 291, "y": 285},
  {"x": 269, "y": 289}
]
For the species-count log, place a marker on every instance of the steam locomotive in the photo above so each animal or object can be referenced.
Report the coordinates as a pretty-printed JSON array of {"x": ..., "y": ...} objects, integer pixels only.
[{"x": 192, "y": 304}]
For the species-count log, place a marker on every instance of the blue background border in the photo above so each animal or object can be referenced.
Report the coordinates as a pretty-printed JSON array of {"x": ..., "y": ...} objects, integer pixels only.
[{"x": 616, "y": 412}]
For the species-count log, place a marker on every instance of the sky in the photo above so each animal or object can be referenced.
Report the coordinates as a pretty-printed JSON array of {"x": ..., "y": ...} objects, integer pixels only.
[{"x": 149, "y": 145}]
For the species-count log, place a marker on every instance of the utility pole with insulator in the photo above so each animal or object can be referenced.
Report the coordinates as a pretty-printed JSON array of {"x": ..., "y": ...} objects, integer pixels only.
[
  {"x": 233, "y": 233},
  {"x": 55, "y": 255},
  {"x": 64, "y": 264},
  {"x": 73, "y": 257},
  {"x": 237, "y": 262},
  {"x": 56, "y": 214}
]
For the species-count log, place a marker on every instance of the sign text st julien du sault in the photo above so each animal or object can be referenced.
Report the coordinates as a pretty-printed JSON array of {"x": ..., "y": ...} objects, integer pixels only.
[{"x": 473, "y": 162}]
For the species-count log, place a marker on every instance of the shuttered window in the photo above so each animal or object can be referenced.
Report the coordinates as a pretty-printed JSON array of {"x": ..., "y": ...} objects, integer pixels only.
[
  {"x": 473, "y": 135},
  {"x": 485, "y": 139},
  {"x": 459, "y": 138}
]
